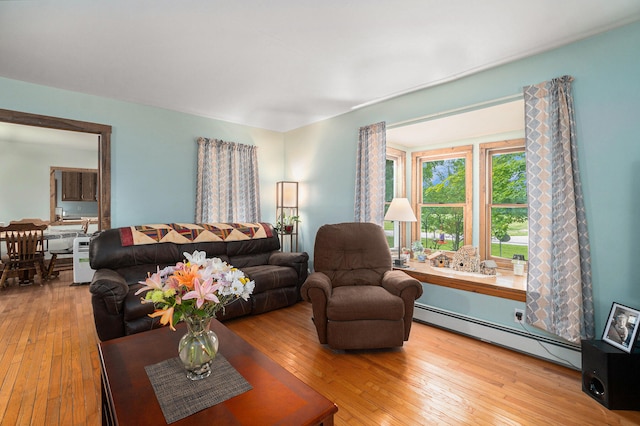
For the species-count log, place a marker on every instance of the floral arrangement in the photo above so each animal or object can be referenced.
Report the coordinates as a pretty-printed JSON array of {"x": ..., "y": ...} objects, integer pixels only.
[{"x": 197, "y": 287}]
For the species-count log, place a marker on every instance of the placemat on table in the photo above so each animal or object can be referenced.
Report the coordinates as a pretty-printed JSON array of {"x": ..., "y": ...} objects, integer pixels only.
[{"x": 180, "y": 397}]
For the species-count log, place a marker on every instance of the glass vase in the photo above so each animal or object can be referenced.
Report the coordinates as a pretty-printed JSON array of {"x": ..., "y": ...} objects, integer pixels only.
[{"x": 198, "y": 348}]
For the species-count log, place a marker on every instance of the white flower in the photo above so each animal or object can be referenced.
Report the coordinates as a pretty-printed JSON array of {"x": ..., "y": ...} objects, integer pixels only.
[
  {"x": 236, "y": 287},
  {"x": 248, "y": 289},
  {"x": 233, "y": 275},
  {"x": 225, "y": 288},
  {"x": 197, "y": 258},
  {"x": 216, "y": 266}
]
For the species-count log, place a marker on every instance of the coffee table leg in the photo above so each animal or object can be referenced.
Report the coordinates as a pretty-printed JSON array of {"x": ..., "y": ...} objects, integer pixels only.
[{"x": 107, "y": 412}]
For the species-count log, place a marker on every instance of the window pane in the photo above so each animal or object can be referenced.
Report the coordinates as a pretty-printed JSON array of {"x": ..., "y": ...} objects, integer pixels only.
[
  {"x": 509, "y": 232},
  {"x": 390, "y": 181},
  {"x": 508, "y": 177},
  {"x": 390, "y": 230},
  {"x": 443, "y": 181},
  {"x": 442, "y": 228}
]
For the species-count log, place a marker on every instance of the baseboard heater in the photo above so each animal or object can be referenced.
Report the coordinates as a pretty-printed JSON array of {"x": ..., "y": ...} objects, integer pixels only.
[{"x": 518, "y": 340}]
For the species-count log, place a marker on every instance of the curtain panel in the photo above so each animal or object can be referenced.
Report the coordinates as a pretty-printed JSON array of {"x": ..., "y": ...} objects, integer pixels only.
[
  {"x": 559, "y": 289},
  {"x": 228, "y": 184},
  {"x": 370, "y": 174}
]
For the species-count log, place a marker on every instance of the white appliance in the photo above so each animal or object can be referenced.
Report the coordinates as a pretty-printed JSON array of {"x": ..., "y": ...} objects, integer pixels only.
[{"x": 82, "y": 272}]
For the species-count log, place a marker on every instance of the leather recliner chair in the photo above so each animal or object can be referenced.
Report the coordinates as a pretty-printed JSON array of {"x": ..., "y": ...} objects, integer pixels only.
[{"x": 358, "y": 301}]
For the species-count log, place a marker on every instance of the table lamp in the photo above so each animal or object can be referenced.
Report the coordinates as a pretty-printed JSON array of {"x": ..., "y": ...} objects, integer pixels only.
[{"x": 400, "y": 211}]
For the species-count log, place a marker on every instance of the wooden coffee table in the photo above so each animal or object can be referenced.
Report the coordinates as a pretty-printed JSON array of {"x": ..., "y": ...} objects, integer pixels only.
[{"x": 277, "y": 397}]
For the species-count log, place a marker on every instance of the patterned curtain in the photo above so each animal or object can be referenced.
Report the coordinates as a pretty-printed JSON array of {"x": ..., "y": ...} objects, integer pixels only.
[
  {"x": 370, "y": 173},
  {"x": 559, "y": 292},
  {"x": 228, "y": 186}
]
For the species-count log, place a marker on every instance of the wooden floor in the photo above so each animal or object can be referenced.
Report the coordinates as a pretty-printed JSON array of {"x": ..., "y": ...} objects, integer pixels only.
[{"x": 49, "y": 370}]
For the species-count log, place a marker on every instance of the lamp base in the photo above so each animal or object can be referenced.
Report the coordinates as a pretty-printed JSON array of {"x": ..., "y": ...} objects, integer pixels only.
[{"x": 399, "y": 263}]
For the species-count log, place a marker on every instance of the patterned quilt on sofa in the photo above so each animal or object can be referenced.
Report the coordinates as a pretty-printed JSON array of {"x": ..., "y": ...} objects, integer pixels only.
[{"x": 181, "y": 233}]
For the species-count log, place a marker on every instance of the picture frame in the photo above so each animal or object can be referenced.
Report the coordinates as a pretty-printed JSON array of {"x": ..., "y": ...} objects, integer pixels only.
[{"x": 622, "y": 327}]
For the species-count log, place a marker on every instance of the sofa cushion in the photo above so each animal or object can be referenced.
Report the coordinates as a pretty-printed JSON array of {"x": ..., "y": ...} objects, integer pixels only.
[
  {"x": 237, "y": 308},
  {"x": 274, "y": 299},
  {"x": 268, "y": 277},
  {"x": 246, "y": 260}
]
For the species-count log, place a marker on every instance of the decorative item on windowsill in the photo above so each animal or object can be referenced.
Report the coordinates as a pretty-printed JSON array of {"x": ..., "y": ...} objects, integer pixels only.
[
  {"x": 466, "y": 259},
  {"x": 194, "y": 291},
  {"x": 518, "y": 264},
  {"x": 488, "y": 267},
  {"x": 418, "y": 251},
  {"x": 439, "y": 259}
]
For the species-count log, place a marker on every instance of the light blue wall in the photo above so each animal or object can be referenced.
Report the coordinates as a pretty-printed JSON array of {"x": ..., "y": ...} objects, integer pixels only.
[
  {"x": 154, "y": 155},
  {"x": 24, "y": 177},
  {"x": 153, "y": 151},
  {"x": 607, "y": 102}
]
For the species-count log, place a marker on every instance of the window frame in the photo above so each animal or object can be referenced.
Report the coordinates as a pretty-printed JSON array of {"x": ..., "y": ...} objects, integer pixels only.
[
  {"x": 400, "y": 157},
  {"x": 419, "y": 157},
  {"x": 487, "y": 150}
]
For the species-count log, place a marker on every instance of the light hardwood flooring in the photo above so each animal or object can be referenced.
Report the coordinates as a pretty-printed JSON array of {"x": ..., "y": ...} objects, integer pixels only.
[{"x": 49, "y": 370}]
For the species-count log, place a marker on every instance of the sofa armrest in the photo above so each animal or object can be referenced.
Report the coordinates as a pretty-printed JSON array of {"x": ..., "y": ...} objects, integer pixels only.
[
  {"x": 281, "y": 258},
  {"x": 317, "y": 289},
  {"x": 110, "y": 286},
  {"x": 108, "y": 292},
  {"x": 298, "y": 261},
  {"x": 408, "y": 289}
]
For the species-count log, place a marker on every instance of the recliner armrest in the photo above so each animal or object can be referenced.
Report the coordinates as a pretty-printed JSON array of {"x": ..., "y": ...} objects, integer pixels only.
[
  {"x": 408, "y": 289},
  {"x": 317, "y": 281},
  {"x": 399, "y": 282},
  {"x": 317, "y": 290}
]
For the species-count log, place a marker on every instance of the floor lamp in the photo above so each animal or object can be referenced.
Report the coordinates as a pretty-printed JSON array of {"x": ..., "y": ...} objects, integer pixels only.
[{"x": 400, "y": 211}]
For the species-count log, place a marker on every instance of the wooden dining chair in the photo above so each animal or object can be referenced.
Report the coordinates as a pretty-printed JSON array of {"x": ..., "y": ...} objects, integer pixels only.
[{"x": 25, "y": 252}]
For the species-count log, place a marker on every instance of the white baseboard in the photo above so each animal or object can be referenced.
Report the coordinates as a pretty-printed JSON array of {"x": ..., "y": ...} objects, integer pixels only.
[{"x": 516, "y": 339}]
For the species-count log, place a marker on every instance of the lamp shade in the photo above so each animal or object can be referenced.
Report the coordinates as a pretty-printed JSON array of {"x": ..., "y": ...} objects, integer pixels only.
[
  {"x": 287, "y": 194},
  {"x": 400, "y": 210}
]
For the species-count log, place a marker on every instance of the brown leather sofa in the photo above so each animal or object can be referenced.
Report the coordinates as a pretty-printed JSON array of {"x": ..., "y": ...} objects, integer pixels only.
[
  {"x": 120, "y": 266},
  {"x": 358, "y": 301}
]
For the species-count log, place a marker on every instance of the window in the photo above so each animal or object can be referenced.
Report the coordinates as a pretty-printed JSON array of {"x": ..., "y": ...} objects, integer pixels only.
[
  {"x": 443, "y": 188},
  {"x": 503, "y": 211},
  {"x": 394, "y": 187}
]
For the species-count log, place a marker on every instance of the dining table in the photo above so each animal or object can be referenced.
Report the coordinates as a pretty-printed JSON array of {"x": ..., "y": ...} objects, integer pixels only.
[{"x": 51, "y": 234}]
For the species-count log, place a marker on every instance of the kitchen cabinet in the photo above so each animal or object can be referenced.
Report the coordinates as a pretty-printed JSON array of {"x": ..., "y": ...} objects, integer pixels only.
[{"x": 79, "y": 186}]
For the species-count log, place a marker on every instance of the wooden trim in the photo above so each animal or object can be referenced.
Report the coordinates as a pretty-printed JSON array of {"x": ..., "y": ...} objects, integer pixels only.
[
  {"x": 465, "y": 151},
  {"x": 401, "y": 157},
  {"x": 484, "y": 183},
  {"x": 505, "y": 285},
  {"x": 486, "y": 152},
  {"x": 400, "y": 186},
  {"x": 104, "y": 150}
]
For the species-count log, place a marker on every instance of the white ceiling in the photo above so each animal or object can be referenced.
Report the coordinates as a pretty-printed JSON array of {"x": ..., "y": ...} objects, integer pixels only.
[
  {"x": 458, "y": 126},
  {"x": 280, "y": 64}
]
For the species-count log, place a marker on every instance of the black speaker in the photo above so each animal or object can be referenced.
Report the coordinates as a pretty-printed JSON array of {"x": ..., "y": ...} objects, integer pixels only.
[{"x": 611, "y": 376}]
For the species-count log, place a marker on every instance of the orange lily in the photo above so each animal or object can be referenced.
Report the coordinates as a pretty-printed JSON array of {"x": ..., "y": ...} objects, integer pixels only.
[
  {"x": 166, "y": 316},
  {"x": 187, "y": 276}
]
